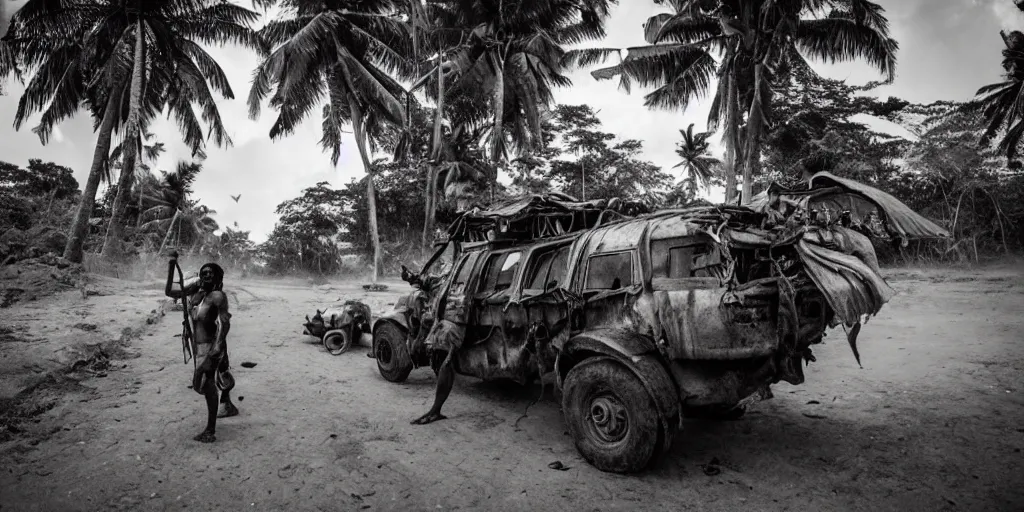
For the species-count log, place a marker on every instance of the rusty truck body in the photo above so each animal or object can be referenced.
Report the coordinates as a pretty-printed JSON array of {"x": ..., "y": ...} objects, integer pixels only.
[{"x": 645, "y": 319}]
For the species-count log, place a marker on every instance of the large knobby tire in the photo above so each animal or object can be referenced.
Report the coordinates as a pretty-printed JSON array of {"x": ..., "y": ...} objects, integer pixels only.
[
  {"x": 337, "y": 343},
  {"x": 391, "y": 352},
  {"x": 610, "y": 416}
]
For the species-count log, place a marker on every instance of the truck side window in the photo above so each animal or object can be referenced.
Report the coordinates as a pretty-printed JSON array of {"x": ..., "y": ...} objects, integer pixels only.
[
  {"x": 705, "y": 258},
  {"x": 465, "y": 267},
  {"x": 499, "y": 272},
  {"x": 548, "y": 270},
  {"x": 610, "y": 271},
  {"x": 680, "y": 259}
]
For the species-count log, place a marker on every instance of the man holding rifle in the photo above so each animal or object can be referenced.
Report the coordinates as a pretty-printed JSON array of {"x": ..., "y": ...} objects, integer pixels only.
[{"x": 204, "y": 335}]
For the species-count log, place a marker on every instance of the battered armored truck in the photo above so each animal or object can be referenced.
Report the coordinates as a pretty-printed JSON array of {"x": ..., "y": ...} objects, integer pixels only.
[{"x": 645, "y": 319}]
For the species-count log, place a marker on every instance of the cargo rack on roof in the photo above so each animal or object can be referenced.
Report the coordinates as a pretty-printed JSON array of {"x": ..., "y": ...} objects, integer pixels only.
[{"x": 538, "y": 216}]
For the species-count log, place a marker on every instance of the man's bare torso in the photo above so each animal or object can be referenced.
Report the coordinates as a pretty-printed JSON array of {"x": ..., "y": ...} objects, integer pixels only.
[{"x": 204, "y": 313}]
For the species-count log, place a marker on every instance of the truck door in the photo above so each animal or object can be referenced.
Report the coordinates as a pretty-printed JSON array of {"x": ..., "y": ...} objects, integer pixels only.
[
  {"x": 493, "y": 289},
  {"x": 696, "y": 314},
  {"x": 544, "y": 304},
  {"x": 610, "y": 281}
]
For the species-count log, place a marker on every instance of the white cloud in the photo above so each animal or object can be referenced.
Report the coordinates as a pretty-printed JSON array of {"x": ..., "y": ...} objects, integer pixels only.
[{"x": 1007, "y": 15}]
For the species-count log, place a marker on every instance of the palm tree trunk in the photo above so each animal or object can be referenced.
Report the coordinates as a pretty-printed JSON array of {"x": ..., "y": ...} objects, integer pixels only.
[
  {"x": 371, "y": 196},
  {"x": 498, "y": 105},
  {"x": 754, "y": 125},
  {"x": 138, "y": 206},
  {"x": 583, "y": 181},
  {"x": 731, "y": 126},
  {"x": 431, "y": 207},
  {"x": 49, "y": 206},
  {"x": 80, "y": 226},
  {"x": 435, "y": 157},
  {"x": 170, "y": 228},
  {"x": 111, "y": 245}
]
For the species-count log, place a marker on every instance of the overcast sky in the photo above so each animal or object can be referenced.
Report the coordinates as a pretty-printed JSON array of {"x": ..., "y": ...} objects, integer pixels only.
[{"x": 948, "y": 48}]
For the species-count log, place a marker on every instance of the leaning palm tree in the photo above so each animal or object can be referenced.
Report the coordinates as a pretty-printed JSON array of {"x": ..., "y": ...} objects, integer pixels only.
[
  {"x": 760, "y": 42},
  {"x": 124, "y": 61},
  {"x": 172, "y": 212},
  {"x": 1000, "y": 103},
  {"x": 191, "y": 224},
  {"x": 699, "y": 166},
  {"x": 339, "y": 53}
]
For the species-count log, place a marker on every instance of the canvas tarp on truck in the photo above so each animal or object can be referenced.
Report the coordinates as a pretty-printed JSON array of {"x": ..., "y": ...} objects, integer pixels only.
[
  {"x": 841, "y": 260},
  {"x": 831, "y": 195}
]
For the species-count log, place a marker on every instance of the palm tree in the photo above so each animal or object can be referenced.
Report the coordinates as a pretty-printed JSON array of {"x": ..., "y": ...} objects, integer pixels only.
[
  {"x": 461, "y": 168},
  {"x": 760, "y": 42},
  {"x": 700, "y": 168},
  {"x": 142, "y": 179},
  {"x": 170, "y": 209},
  {"x": 124, "y": 60},
  {"x": 324, "y": 51},
  {"x": 1000, "y": 103},
  {"x": 191, "y": 224},
  {"x": 511, "y": 54},
  {"x": 493, "y": 68}
]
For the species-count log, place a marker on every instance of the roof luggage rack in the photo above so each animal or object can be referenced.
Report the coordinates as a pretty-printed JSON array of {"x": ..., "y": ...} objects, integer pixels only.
[{"x": 538, "y": 216}]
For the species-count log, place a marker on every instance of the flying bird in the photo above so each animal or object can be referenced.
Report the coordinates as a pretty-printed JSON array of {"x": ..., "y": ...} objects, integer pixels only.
[{"x": 236, "y": 197}]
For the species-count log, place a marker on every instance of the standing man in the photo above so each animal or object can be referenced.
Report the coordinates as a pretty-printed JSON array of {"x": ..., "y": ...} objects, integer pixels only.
[{"x": 207, "y": 309}]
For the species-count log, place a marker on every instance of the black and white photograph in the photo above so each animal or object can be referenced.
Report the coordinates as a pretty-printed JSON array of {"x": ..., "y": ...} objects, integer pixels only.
[{"x": 512, "y": 255}]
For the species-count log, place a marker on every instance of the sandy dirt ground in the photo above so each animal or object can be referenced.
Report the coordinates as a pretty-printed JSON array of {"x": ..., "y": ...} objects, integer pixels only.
[{"x": 933, "y": 421}]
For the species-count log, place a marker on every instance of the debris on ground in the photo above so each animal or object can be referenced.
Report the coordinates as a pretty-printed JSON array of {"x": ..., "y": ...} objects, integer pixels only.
[
  {"x": 339, "y": 327},
  {"x": 34, "y": 278},
  {"x": 19, "y": 414},
  {"x": 712, "y": 468}
]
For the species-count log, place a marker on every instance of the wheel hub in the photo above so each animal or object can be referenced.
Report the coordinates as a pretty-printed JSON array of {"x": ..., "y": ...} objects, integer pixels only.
[
  {"x": 336, "y": 342},
  {"x": 384, "y": 353},
  {"x": 608, "y": 418}
]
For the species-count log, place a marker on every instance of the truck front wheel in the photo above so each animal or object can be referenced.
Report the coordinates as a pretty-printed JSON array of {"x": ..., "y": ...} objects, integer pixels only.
[
  {"x": 391, "y": 352},
  {"x": 611, "y": 417}
]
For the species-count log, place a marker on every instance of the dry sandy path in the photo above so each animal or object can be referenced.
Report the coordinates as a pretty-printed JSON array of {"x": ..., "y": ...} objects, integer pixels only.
[{"x": 934, "y": 421}]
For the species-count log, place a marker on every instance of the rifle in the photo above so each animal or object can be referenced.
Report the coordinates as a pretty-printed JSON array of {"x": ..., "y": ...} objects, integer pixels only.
[{"x": 187, "y": 337}]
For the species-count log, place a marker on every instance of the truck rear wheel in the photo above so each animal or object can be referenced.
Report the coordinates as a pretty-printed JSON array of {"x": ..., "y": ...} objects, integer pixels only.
[
  {"x": 391, "y": 352},
  {"x": 610, "y": 416}
]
